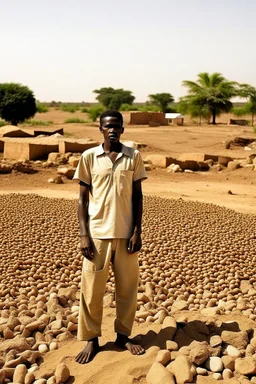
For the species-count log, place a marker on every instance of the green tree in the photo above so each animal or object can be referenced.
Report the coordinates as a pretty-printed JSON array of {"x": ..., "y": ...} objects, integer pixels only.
[
  {"x": 17, "y": 103},
  {"x": 162, "y": 100},
  {"x": 212, "y": 91},
  {"x": 248, "y": 92},
  {"x": 113, "y": 98},
  {"x": 194, "y": 106}
]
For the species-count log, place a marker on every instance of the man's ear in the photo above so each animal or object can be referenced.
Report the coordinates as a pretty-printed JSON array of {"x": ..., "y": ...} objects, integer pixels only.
[{"x": 100, "y": 129}]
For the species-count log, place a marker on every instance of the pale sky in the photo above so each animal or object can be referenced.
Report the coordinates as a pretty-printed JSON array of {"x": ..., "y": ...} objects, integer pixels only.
[{"x": 63, "y": 50}]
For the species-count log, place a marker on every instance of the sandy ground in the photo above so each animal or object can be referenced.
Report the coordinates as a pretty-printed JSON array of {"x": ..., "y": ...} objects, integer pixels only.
[{"x": 113, "y": 365}]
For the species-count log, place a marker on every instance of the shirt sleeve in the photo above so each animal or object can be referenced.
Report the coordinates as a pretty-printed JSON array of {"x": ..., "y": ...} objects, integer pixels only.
[
  {"x": 139, "y": 169},
  {"x": 83, "y": 172}
]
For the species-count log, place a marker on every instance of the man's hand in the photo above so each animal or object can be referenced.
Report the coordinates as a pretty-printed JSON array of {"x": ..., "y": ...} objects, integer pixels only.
[
  {"x": 86, "y": 247},
  {"x": 135, "y": 243}
]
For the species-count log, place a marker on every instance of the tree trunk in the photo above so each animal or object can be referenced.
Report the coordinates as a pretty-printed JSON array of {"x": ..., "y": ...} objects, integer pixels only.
[
  {"x": 214, "y": 117},
  {"x": 14, "y": 122}
]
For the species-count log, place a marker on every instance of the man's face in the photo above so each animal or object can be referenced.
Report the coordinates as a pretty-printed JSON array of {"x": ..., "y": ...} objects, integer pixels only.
[{"x": 111, "y": 129}]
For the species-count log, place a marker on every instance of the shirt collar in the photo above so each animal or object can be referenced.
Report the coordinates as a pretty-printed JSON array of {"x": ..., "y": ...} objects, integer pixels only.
[{"x": 124, "y": 150}]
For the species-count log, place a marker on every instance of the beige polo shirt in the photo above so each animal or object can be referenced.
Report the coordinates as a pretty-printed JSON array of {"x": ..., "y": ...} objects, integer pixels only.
[{"x": 110, "y": 205}]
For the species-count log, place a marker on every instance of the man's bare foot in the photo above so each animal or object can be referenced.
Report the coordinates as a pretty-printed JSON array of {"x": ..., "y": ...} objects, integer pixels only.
[
  {"x": 88, "y": 353},
  {"x": 124, "y": 342}
]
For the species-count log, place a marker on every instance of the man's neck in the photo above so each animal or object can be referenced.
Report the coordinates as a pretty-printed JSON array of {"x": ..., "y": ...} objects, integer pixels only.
[{"x": 112, "y": 147}]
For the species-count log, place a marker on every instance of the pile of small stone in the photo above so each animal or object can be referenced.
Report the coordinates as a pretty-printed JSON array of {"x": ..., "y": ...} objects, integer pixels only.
[{"x": 205, "y": 351}]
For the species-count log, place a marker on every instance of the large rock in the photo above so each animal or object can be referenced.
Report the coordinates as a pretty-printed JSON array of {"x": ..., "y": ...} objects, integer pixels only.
[
  {"x": 233, "y": 165},
  {"x": 182, "y": 369},
  {"x": 62, "y": 373},
  {"x": 197, "y": 157},
  {"x": 163, "y": 357},
  {"x": 245, "y": 366},
  {"x": 160, "y": 161},
  {"x": 199, "y": 352},
  {"x": 68, "y": 172},
  {"x": 237, "y": 339},
  {"x": 20, "y": 373},
  {"x": 179, "y": 305},
  {"x": 159, "y": 375},
  {"x": 53, "y": 157},
  {"x": 19, "y": 343}
]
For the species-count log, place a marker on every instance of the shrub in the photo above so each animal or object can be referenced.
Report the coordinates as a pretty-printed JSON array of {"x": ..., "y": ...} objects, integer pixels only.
[
  {"x": 69, "y": 108},
  {"x": 41, "y": 108},
  {"x": 95, "y": 112},
  {"x": 3, "y": 123},
  {"x": 38, "y": 122},
  {"x": 84, "y": 110},
  {"x": 128, "y": 107},
  {"x": 75, "y": 121}
]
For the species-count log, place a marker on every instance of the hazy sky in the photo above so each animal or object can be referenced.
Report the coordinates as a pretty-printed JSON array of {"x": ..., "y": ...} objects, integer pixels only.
[{"x": 63, "y": 50}]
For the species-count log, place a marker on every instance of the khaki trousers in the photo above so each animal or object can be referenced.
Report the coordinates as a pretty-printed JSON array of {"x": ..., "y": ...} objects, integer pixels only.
[{"x": 93, "y": 285}]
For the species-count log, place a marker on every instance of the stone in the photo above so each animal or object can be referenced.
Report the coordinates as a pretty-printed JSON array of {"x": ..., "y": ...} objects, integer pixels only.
[
  {"x": 253, "y": 342},
  {"x": 179, "y": 305},
  {"x": 163, "y": 357},
  {"x": 40, "y": 381},
  {"x": 53, "y": 157},
  {"x": 171, "y": 345},
  {"x": 29, "y": 378},
  {"x": 51, "y": 180},
  {"x": 201, "y": 371},
  {"x": 159, "y": 375},
  {"x": 169, "y": 327},
  {"x": 53, "y": 345},
  {"x": 217, "y": 376},
  {"x": 215, "y": 341},
  {"x": 232, "y": 351},
  {"x": 58, "y": 180},
  {"x": 214, "y": 364},
  {"x": 62, "y": 373},
  {"x": 14, "y": 362},
  {"x": 73, "y": 161},
  {"x": 160, "y": 161},
  {"x": 19, "y": 343},
  {"x": 30, "y": 356},
  {"x": 245, "y": 366},
  {"x": 237, "y": 339},
  {"x": 43, "y": 348},
  {"x": 8, "y": 333},
  {"x": 182, "y": 369},
  {"x": 36, "y": 325},
  {"x": 228, "y": 362},
  {"x": 199, "y": 352},
  {"x": 210, "y": 311},
  {"x": 20, "y": 373},
  {"x": 65, "y": 171},
  {"x": 51, "y": 380},
  {"x": 68, "y": 293},
  {"x": 227, "y": 374},
  {"x": 233, "y": 165}
]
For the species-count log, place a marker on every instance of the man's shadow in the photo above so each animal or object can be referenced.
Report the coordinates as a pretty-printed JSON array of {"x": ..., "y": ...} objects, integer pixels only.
[{"x": 185, "y": 333}]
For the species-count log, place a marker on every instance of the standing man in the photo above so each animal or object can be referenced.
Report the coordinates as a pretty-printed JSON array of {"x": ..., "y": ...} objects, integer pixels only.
[{"x": 110, "y": 213}]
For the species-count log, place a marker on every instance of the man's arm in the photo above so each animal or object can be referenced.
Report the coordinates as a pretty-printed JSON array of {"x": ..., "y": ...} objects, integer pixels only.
[
  {"x": 137, "y": 206},
  {"x": 83, "y": 204}
]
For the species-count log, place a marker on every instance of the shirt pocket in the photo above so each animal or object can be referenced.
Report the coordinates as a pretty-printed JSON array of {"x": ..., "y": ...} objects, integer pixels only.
[{"x": 125, "y": 183}]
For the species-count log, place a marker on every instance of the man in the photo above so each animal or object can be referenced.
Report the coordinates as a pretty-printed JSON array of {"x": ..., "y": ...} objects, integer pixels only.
[{"x": 110, "y": 213}]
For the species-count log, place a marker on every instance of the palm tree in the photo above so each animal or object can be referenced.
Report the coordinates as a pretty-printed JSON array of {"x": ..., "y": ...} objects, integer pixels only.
[
  {"x": 212, "y": 92},
  {"x": 248, "y": 92}
]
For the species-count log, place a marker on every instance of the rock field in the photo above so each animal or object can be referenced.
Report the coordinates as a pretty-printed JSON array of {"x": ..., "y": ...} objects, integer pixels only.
[{"x": 195, "y": 257}]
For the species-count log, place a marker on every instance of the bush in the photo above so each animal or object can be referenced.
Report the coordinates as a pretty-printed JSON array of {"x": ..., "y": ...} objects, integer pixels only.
[
  {"x": 41, "y": 108},
  {"x": 38, "y": 122},
  {"x": 84, "y": 110},
  {"x": 128, "y": 107},
  {"x": 69, "y": 108},
  {"x": 75, "y": 121},
  {"x": 17, "y": 103},
  {"x": 3, "y": 123},
  {"x": 95, "y": 112}
]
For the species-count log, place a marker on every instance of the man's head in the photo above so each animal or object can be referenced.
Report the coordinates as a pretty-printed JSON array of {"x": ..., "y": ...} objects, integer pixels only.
[{"x": 111, "y": 125}]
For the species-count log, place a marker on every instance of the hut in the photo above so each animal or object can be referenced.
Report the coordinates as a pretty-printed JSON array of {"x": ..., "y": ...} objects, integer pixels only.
[{"x": 175, "y": 118}]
